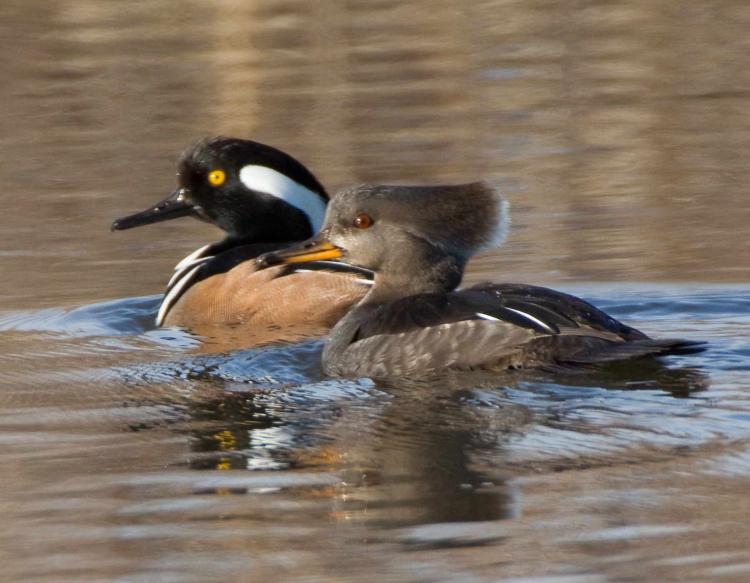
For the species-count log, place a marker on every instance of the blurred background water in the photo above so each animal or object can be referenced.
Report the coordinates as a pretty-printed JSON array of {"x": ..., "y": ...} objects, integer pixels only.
[{"x": 618, "y": 130}]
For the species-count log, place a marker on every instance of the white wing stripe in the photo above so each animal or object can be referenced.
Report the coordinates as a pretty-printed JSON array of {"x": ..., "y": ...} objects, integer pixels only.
[
  {"x": 487, "y": 317},
  {"x": 531, "y": 319}
]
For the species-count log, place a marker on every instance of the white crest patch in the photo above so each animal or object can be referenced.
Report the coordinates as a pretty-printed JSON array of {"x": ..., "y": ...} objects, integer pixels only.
[
  {"x": 264, "y": 179},
  {"x": 503, "y": 224}
]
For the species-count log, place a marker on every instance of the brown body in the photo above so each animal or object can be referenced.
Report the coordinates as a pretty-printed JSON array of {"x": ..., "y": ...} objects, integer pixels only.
[{"x": 245, "y": 307}]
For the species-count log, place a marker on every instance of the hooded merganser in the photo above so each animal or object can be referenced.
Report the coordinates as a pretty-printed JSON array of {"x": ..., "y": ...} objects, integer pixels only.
[
  {"x": 263, "y": 199},
  {"x": 417, "y": 241}
]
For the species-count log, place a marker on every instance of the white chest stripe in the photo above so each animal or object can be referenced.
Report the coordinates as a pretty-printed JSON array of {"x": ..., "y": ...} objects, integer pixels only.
[
  {"x": 173, "y": 294},
  {"x": 367, "y": 282},
  {"x": 186, "y": 263},
  {"x": 264, "y": 179},
  {"x": 180, "y": 279},
  {"x": 185, "y": 267},
  {"x": 192, "y": 257}
]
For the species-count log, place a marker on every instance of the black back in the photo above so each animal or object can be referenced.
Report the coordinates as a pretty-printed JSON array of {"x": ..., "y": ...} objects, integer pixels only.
[{"x": 536, "y": 308}]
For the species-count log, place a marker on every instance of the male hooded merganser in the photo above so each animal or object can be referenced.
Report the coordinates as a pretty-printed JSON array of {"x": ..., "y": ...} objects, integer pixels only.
[
  {"x": 417, "y": 240},
  {"x": 263, "y": 199}
]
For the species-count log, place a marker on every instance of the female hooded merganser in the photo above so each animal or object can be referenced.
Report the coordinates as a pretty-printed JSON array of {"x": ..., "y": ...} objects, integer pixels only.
[
  {"x": 263, "y": 199},
  {"x": 417, "y": 240}
]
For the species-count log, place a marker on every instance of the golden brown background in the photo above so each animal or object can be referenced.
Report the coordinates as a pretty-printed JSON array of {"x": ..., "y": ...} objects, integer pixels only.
[{"x": 618, "y": 130}]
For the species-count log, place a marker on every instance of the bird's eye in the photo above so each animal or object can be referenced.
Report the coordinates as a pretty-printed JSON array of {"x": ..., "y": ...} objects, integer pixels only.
[
  {"x": 217, "y": 177},
  {"x": 363, "y": 221}
]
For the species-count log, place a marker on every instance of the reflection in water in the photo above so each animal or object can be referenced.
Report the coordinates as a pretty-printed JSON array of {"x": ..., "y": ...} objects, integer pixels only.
[
  {"x": 226, "y": 432},
  {"x": 421, "y": 468},
  {"x": 409, "y": 462},
  {"x": 291, "y": 460},
  {"x": 641, "y": 374},
  {"x": 428, "y": 451}
]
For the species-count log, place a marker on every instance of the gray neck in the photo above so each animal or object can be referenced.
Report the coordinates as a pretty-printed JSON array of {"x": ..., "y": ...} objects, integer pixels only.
[
  {"x": 442, "y": 276},
  {"x": 342, "y": 335},
  {"x": 432, "y": 272}
]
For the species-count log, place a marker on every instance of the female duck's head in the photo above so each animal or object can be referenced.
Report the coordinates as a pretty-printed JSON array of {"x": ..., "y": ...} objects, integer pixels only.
[{"x": 415, "y": 238}]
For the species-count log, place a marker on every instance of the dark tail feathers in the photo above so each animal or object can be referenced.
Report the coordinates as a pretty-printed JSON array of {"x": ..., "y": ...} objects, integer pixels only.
[{"x": 640, "y": 348}]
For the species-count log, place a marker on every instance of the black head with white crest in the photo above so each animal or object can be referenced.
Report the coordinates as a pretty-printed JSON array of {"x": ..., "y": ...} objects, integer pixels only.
[
  {"x": 415, "y": 238},
  {"x": 254, "y": 192}
]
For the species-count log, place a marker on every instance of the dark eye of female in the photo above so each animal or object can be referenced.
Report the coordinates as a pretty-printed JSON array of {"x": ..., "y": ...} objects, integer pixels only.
[{"x": 363, "y": 221}]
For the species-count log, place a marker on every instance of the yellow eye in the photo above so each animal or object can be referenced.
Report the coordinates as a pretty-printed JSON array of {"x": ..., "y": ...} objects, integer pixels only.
[
  {"x": 363, "y": 221},
  {"x": 217, "y": 177}
]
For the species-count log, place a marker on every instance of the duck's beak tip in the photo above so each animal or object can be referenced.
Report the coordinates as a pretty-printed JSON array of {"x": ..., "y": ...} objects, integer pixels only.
[{"x": 172, "y": 207}]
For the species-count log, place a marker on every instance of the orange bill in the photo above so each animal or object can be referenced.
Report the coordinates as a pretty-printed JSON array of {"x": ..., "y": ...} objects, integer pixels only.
[{"x": 316, "y": 249}]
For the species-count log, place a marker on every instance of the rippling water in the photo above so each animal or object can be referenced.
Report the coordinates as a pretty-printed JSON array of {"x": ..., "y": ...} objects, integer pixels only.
[{"x": 618, "y": 132}]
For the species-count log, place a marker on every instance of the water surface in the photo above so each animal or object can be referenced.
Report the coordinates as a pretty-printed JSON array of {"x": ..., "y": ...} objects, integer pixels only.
[{"x": 617, "y": 130}]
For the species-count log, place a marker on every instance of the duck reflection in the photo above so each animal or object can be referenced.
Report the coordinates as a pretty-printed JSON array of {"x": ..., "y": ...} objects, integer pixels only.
[
  {"x": 404, "y": 452},
  {"x": 638, "y": 374},
  {"x": 225, "y": 430},
  {"x": 431, "y": 455},
  {"x": 416, "y": 453}
]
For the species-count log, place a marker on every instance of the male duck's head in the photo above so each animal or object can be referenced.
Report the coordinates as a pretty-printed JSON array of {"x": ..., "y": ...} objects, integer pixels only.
[
  {"x": 415, "y": 238},
  {"x": 254, "y": 192}
]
